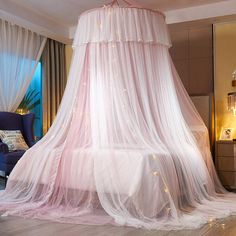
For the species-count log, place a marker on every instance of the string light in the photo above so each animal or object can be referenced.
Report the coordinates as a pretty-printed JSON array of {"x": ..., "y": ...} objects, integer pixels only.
[
  {"x": 155, "y": 173},
  {"x": 223, "y": 226},
  {"x": 154, "y": 156},
  {"x": 210, "y": 220}
]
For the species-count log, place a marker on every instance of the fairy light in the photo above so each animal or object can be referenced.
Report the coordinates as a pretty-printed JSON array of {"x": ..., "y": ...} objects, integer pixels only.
[
  {"x": 210, "y": 220},
  {"x": 166, "y": 190},
  {"x": 154, "y": 156},
  {"x": 155, "y": 173}
]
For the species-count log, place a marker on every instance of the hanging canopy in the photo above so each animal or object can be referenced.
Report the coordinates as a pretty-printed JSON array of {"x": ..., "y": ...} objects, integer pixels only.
[
  {"x": 121, "y": 24},
  {"x": 127, "y": 146}
]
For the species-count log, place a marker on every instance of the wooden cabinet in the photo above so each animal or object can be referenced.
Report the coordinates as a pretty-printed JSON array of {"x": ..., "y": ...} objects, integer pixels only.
[{"x": 226, "y": 163}]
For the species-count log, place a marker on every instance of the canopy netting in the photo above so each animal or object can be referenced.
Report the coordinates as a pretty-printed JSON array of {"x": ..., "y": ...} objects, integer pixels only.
[{"x": 127, "y": 146}]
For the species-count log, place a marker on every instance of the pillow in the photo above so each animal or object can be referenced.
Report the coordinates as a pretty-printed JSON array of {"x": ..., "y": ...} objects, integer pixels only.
[{"x": 13, "y": 139}]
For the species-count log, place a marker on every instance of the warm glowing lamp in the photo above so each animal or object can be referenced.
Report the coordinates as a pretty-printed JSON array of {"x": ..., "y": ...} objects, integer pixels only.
[
  {"x": 232, "y": 102},
  {"x": 234, "y": 78},
  {"x": 232, "y": 96}
]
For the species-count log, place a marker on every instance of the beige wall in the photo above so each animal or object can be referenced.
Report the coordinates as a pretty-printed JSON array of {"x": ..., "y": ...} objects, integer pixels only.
[
  {"x": 69, "y": 52},
  {"x": 192, "y": 54},
  {"x": 225, "y": 64},
  {"x": 193, "y": 57}
]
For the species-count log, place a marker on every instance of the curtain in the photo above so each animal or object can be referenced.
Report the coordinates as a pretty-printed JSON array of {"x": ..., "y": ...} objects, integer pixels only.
[
  {"x": 20, "y": 50},
  {"x": 54, "y": 80}
]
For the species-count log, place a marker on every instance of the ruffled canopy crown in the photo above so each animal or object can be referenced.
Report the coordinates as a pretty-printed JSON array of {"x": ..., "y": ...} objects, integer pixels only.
[{"x": 122, "y": 24}]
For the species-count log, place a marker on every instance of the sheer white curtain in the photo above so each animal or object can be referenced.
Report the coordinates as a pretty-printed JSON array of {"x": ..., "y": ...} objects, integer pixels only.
[{"x": 20, "y": 50}]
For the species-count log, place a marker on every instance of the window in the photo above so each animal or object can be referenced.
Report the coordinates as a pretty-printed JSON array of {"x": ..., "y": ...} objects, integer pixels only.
[{"x": 35, "y": 105}]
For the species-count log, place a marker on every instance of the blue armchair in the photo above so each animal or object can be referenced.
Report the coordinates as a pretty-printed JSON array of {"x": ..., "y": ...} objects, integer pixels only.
[{"x": 13, "y": 121}]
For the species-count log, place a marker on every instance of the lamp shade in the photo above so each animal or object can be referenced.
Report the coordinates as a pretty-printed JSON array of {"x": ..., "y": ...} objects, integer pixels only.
[{"x": 232, "y": 102}]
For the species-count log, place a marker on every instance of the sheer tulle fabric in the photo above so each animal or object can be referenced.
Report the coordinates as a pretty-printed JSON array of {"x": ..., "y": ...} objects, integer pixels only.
[
  {"x": 121, "y": 24},
  {"x": 20, "y": 51},
  {"x": 127, "y": 146}
]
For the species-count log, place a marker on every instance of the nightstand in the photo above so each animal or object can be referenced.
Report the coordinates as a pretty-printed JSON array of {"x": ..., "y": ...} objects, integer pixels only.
[{"x": 226, "y": 163}]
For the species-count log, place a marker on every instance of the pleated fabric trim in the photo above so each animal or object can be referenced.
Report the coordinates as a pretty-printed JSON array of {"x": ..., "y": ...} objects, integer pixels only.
[{"x": 122, "y": 24}]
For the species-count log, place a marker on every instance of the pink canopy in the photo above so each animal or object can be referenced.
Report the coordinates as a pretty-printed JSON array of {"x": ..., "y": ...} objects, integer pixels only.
[{"x": 127, "y": 146}]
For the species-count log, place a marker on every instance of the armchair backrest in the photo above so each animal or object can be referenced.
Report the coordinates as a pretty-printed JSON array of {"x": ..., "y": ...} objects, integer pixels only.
[{"x": 24, "y": 123}]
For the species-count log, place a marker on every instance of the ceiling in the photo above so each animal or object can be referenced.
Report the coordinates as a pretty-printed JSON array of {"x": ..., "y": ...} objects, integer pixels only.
[
  {"x": 58, "y": 18},
  {"x": 66, "y": 12}
]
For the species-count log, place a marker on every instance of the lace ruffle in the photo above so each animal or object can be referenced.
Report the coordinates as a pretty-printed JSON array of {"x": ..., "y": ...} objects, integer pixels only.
[{"x": 124, "y": 25}]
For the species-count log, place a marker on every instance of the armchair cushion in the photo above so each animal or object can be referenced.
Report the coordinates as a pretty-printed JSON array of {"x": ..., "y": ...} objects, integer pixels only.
[
  {"x": 13, "y": 139},
  {"x": 11, "y": 157},
  {"x": 24, "y": 123},
  {"x": 12, "y": 121},
  {"x": 9, "y": 160}
]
